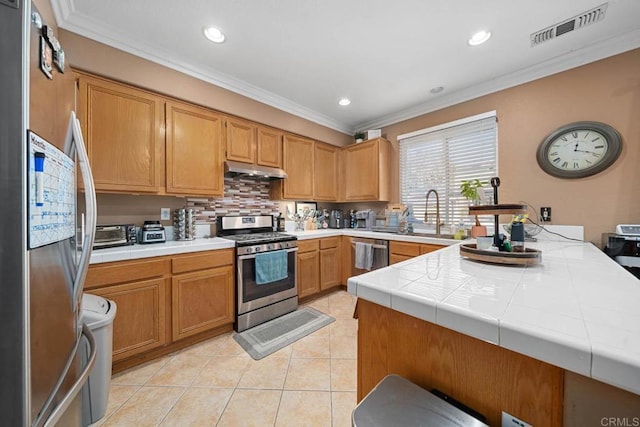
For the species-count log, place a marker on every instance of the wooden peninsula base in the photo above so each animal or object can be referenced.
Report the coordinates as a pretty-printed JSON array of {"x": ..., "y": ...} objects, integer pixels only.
[{"x": 483, "y": 376}]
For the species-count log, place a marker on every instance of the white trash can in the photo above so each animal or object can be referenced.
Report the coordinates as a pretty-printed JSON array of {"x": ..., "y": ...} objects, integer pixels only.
[{"x": 98, "y": 314}]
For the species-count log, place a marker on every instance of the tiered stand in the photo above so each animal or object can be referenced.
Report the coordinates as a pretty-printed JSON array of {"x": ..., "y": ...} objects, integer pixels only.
[{"x": 469, "y": 250}]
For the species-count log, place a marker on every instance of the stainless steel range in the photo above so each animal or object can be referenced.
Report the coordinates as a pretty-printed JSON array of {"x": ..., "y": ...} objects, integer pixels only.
[{"x": 266, "y": 264}]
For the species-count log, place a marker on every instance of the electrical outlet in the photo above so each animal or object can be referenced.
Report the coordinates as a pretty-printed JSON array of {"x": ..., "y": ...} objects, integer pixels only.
[
  {"x": 165, "y": 214},
  {"x": 545, "y": 214}
]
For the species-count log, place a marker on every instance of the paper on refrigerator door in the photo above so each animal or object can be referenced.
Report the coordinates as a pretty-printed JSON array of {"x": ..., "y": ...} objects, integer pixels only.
[{"x": 52, "y": 193}]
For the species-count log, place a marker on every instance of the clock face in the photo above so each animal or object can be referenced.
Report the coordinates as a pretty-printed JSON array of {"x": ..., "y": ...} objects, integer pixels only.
[{"x": 579, "y": 149}]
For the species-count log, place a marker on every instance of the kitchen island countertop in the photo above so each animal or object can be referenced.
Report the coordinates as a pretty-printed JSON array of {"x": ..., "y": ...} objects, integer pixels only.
[{"x": 577, "y": 310}]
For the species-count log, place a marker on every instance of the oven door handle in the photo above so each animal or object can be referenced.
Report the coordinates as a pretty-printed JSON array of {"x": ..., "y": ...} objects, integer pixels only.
[{"x": 241, "y": 257}]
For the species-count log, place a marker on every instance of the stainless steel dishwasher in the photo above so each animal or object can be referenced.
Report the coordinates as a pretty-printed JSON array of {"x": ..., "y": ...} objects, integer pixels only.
[{"x": 380, "y": 250}]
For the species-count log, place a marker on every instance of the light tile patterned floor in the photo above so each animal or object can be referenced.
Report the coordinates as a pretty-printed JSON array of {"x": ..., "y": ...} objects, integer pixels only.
[{"x": 312, "y": 382}]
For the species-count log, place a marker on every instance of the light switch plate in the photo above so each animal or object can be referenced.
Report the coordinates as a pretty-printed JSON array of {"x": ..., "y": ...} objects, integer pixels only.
[{"x": 165, "y": 214}]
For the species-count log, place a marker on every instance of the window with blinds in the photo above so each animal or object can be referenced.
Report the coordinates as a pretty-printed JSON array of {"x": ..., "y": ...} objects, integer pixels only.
[{"x": 441, "y": 158}]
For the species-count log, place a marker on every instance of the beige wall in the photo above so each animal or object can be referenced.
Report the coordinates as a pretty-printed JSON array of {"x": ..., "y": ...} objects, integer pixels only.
[
  {"x": 97, "y": 58},
  {"x": 607, "y": 91}
]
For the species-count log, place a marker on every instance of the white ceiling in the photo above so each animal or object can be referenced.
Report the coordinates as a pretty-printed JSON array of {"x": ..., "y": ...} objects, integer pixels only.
[{"x": 303, "y": 55}]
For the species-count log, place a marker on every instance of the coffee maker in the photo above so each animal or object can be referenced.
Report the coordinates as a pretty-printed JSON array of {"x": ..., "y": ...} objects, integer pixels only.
[
  {"x": 335, "y": 219},
  {"x": 365, "y": 219}
]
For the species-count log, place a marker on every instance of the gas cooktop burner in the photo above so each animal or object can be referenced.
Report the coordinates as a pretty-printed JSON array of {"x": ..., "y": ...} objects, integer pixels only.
[{"x": 256, "y": 238}]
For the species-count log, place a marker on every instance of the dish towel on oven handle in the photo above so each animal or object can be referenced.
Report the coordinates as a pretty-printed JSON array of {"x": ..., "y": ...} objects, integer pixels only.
[
  {"x": 364, "y": 256},
  {"x": 271, "y": 267}
]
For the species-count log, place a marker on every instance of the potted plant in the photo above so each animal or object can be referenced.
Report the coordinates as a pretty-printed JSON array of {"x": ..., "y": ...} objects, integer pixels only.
[
  {"x": 359, "y": 136},
  {"x": 469, "y": 189}
]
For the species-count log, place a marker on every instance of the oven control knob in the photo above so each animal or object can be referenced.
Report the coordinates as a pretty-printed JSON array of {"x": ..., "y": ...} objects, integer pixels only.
[
  {"x": 269, "y": 247},
  {"x": 284, "y": 244},
  {"x": 258, "y": 249},
  {"x": 249, "y": 250}
]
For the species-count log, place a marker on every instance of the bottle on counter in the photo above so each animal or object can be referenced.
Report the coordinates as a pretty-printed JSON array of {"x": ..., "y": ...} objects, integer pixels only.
[{"x": 517, "y": 236}]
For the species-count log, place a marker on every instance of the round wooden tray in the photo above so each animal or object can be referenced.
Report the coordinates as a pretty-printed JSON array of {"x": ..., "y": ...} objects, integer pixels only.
[
  {"x": 529, "y": 257},
  {"x": 501, "y": 209}
]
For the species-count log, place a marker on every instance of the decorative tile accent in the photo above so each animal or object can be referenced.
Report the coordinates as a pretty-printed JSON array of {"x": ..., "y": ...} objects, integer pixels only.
[{"x": 242, "y": 196}]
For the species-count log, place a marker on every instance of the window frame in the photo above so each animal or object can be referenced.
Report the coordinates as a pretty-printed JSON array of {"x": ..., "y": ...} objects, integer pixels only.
[{"x": 445, "y": 204}]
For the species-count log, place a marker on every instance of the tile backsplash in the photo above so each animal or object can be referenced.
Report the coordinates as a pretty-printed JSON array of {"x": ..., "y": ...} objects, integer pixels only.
[{"x": 242, "y": 196}]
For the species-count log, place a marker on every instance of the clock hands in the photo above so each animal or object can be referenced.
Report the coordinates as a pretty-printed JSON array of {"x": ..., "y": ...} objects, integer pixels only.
[{"x": 585, "y": 151}]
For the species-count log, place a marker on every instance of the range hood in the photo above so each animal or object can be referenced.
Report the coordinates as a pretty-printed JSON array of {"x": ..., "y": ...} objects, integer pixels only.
[{"x": 232, "y": 168}]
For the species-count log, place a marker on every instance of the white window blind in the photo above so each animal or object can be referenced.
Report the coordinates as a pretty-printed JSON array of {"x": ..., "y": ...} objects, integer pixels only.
[{"x": 441, "y": 159}]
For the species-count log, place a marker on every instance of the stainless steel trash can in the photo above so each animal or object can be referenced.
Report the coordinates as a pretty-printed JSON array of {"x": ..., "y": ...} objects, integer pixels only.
[
  {"x": 395, "y": 401},
  {"x": 98, "y": 314}
]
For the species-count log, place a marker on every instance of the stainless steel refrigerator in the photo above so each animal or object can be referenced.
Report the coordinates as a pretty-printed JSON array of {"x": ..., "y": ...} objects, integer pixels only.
[{"x": 46, "y": 226}]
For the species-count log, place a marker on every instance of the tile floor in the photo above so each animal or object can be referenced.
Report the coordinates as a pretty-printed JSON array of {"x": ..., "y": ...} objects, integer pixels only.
[{"x": 312, "y": 382}]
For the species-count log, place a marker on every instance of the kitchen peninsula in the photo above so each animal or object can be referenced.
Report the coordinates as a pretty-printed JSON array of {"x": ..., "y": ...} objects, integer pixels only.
[{"x": 531, "y": 341}]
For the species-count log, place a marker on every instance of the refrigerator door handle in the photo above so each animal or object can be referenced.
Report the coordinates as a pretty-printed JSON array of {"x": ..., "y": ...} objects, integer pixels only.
[
  {"x": 59, "y": 411},
  {"x": 90, "y": 202}
]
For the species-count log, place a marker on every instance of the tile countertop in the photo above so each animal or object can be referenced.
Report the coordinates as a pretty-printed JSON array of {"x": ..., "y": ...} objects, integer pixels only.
[
  {"x": 137, "y": 251},
  {"x": 578, "y": 309},
  {"x": 415, "y": 238}
]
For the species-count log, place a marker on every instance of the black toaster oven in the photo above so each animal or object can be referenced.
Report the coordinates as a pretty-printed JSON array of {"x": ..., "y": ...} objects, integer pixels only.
[{"x": 109, "y": 236}]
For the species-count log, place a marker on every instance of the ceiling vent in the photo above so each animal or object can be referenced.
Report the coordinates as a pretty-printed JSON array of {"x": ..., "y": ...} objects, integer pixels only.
[{"x": 579, "y": 21}]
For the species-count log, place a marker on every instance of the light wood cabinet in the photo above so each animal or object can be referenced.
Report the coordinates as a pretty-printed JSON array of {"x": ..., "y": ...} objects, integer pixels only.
[
  {"x": 122, "y": 129},
  {"x": 202, "y": 290},
  {"x": 201, "y": 300},
  {"x": 325, "y": 183},
  {"x": 298, "y": 163},
  {"x": 269, "y": 150},
  {"x": 402, "y": 251},
  {"x": 308, "y": 267},
  {"x": 330, "y": 271},
  {"x": 140, "y": 322},
  {"x": 163, "y": 300},
  {"x": 194, "y": 150},
  {"x": 366, "y": 171},
  {"x": 241, "y": 140},
  {"x": 141, "y": 291}
]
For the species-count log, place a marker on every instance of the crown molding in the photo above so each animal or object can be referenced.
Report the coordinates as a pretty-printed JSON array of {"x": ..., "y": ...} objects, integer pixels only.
[
  {"x": 70, "y": 20},
  {"x": 573, "y": 59}
]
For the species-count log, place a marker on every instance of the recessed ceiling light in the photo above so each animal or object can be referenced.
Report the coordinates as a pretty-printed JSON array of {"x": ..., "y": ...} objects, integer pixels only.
[
  {"x": 344, "y": 102},
  {"x": 214, "y": 34},
  {"x": 479, "y": 38},
  {"x": 437, "y": 89}
]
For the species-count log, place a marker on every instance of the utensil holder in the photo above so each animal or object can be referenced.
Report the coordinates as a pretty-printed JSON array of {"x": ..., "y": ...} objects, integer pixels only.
[{"x": 184, "y": 224}]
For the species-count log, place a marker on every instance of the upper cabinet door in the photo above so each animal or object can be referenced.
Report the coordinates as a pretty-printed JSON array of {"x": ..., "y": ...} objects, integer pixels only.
[
  {"x": 326, "y": 172},
  {"x": 241, "y": 140},
  {"x": 122, "y": 129},
  {"x": 195, "y": 150},
  {"x": 299, "y": 166},
  {"x": 366, "y": 171},
  {"x": 269, "y": 151}
]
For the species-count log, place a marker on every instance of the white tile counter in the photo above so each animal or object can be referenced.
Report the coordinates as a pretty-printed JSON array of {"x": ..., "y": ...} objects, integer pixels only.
[
  {"x": 415, "y": 238},
  {"x": 578, "y": 309},
  {"x": 206, "y": 244},
  {"x": 158, "y": 249}
]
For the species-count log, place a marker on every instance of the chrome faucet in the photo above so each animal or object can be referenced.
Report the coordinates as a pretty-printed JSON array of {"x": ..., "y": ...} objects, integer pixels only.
[{"x": 426, "y": 209}]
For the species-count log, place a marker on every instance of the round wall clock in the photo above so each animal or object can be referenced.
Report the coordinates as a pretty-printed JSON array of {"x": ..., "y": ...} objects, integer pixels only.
[{"x": 579, "y": 149}]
